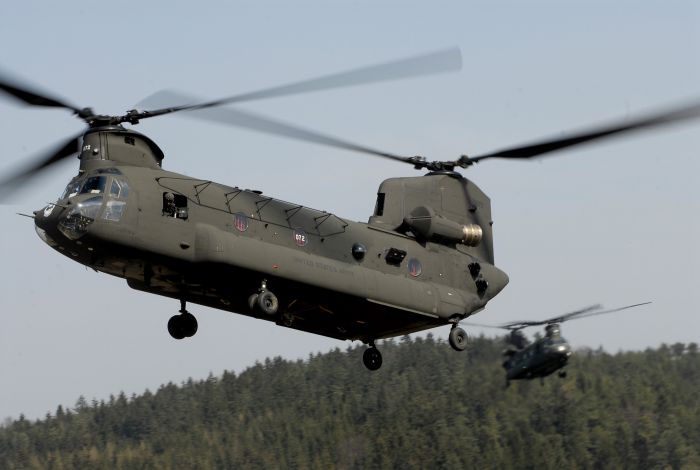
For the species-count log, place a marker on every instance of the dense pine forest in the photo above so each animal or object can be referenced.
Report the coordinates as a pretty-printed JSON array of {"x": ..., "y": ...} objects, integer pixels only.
[{"x": 428, "y": 407}]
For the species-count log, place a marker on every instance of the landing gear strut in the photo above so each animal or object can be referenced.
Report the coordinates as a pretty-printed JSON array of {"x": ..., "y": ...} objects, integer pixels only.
[
  {"x": 264, "y": 300},
  {"x": 372, "y": 357},
  {"x": 183, "y": 325}
]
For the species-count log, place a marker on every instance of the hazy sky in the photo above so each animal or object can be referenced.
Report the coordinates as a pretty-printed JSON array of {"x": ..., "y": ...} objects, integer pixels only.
[{"x": 615, "y": 223}]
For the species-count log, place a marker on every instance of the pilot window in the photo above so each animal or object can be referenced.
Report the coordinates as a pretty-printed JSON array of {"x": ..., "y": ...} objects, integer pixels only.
[
  {"x": 119, "y": 188},
  {"x": 175, "y": 205},
  {"x": 116, "y": 204},
  {"x": 94, "y": 185}
]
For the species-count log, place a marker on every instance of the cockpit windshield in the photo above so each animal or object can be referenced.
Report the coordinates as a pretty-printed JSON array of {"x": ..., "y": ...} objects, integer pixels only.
[
  {"x": 115, "y": 185},
  {"x": 72, "y": 189},
  {"x": 94, "y": 185}
]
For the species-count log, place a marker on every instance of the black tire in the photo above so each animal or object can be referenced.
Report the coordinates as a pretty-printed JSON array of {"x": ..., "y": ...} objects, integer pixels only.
[
  {"x": 267, "y": 302},
  {"x": 189, "y": 324},
  {"x": 175, "y": 327},
  {"x": 458, "y": 339},
  {"x": 253, "y": 301},
  {"x": 372, "y": 359}
]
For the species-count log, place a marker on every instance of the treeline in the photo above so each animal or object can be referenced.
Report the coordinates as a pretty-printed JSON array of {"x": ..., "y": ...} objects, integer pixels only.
[{"x": 428, "y": 407}]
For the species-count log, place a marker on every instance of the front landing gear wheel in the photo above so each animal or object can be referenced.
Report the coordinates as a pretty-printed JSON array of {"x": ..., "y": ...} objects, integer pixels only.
[
  {"x": 175, "y": 327},
  {"x": 189, "y": 324},
  {"x": 458, "y": 339},
  {"x": 562, "y": 374},
  {"x": 372, "y": 358}
]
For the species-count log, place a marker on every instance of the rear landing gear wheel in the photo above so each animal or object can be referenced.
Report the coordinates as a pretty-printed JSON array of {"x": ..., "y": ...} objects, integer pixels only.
[
  {"x": 458, "y": 339},
  {"x": 183, "y": 325},
  {"x": 252, "y": 301},
  {"x": 372, "y": 358},
  {"x": 562, "y": 374},
  {"x": 267, "y": 302},
  {"x": 263, "y": 300}
]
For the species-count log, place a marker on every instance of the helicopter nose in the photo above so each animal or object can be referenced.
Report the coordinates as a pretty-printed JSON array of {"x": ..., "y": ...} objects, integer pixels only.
[
  {"x": 495, "y": 278},
  {"x": 45, "y": 223},
  {"x": 41, "y": 216},
  {"x": 562, "y": 349}
]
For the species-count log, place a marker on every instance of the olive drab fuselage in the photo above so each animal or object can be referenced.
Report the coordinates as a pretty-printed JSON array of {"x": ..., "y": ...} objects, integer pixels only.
[
  {"x": 539, "y": 359},
  {"x": 424, "y": 259}
]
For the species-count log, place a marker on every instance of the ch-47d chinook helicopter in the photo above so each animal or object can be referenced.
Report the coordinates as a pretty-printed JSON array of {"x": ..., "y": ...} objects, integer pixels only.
[
  {"x": 544, "y": 356},
  {"x": 424, "y": 259}
]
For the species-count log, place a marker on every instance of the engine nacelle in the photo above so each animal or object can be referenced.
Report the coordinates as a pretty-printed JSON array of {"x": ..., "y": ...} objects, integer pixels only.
[
  {"x": 443, "y": 208},
  {"x": 426, "y": 223}
]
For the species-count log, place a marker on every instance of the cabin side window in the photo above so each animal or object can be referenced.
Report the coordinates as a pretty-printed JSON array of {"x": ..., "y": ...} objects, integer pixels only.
[
  {"x": 379, "y": 208},
  {"x": 175, "y": 205}
]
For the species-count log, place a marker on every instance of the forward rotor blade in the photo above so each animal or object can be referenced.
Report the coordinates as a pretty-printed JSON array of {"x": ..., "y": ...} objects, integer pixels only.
[
  {"x": 31, "y": 97},
  {"x": 442, "y": 61},
  {"x": 65, "y": 150},
  {"x": 649, "y": 121},
  {"x": 235, "y": 117}
]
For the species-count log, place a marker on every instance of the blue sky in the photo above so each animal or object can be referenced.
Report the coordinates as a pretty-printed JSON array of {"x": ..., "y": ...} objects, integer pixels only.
[{"x": 614, "y": 223}]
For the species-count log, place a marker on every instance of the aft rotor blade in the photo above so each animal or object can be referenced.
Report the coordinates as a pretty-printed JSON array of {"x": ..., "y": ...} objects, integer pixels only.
[
  {"x": 522, "y": 324},
  {"x": 64, "y": 150},
  {"x": 649, "y": 121},
  {"x": 236, "y": 117},
  {"x": 576, "y": 316},
  {"x": 485, "y": 326},
  {"x": 447, "y": 60},
  {"x": 31, "y": 97}
]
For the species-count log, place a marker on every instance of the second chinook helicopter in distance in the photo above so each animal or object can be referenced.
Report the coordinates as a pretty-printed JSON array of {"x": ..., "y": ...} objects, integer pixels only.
[
  {"x": 525, "y": 360},
  {"x": 425, "y": 258}
]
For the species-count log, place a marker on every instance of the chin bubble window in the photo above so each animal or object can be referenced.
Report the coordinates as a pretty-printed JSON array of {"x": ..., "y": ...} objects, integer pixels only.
[{"x": 79, "y": 218}]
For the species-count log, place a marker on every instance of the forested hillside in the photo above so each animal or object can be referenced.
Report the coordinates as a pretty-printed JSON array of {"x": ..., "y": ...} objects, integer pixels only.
[{"x": 428, "y": 407}]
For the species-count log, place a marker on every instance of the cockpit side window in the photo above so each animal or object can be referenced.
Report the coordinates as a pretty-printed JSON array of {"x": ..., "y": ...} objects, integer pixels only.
[
  {"x": 119, "y": 188},
  {"x": 116, "y": 204},
  {"x": 114, "y": 189}
]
